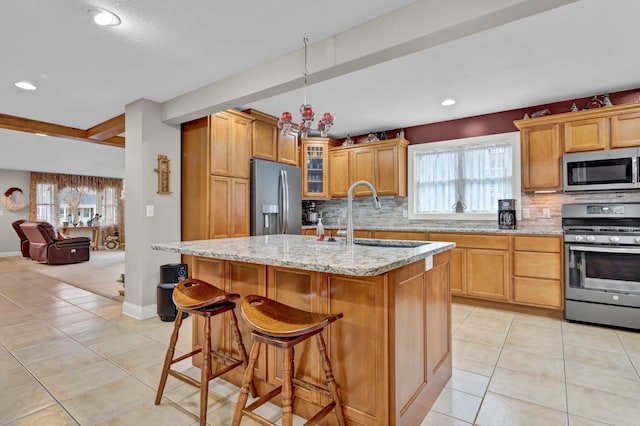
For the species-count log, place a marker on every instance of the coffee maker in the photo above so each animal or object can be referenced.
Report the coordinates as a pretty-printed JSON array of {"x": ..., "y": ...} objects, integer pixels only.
[{"x": 507, "y": 214}]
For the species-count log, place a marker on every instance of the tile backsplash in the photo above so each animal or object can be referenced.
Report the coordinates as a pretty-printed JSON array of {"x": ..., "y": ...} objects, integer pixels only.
[{"x": 335, "y": 210}]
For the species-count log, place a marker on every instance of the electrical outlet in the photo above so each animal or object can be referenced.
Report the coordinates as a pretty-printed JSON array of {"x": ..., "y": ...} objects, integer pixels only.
[
  {"x": 405, "y": 213},
  {"x": 546, "y": 212},
  {"x": 526, "y": 213}
]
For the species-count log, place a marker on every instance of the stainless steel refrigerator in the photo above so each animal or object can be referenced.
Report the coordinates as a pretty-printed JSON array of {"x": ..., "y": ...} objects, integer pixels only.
[{"x": 276, "y": 191}]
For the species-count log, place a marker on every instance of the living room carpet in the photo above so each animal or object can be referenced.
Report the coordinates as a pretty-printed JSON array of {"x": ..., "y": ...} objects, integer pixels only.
[{"x": 99, "y": 275}]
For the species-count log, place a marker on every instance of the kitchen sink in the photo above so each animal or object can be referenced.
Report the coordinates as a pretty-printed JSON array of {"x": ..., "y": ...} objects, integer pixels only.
[{"x": 389, "y": 243}]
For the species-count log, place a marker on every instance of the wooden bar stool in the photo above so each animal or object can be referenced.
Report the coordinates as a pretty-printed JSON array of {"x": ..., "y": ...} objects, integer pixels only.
[
  {"x": 201, "y": 298},
  {"x": 282, "y": 326}
]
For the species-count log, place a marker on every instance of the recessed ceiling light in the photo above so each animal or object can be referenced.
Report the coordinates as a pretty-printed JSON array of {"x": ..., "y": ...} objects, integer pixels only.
[
  {"x": 42, "y": 134},
  {"x": 24, "y": 85},
  {"x": 104, "y": 17},
  {"x": 448, "y": 102}
]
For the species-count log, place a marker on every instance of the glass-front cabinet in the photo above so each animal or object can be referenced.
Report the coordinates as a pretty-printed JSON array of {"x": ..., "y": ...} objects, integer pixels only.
[{"x": 315, "y": 167}]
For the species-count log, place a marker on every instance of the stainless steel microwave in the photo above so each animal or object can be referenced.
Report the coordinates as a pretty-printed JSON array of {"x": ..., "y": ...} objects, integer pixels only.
[{"x": 608, "y": 170}]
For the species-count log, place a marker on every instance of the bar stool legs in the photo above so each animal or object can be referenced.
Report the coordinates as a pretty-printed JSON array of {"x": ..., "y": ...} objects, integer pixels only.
[
  {"x": 284, "y": 327},
  {"x": 200, "y": 298}
]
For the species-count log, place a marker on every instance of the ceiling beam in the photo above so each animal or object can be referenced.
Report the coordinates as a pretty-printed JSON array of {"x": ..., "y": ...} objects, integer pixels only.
[
  {"x": 107, "y": 129},
  {"x": 21, "y": 124}
]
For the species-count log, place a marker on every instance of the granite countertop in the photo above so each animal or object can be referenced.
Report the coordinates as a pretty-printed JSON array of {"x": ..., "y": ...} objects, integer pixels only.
[
  {"x": 304, "y": 252},
  {"x": 452, "y": 228}
]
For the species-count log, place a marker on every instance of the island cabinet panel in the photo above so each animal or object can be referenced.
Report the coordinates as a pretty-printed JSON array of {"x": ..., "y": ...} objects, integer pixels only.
[
  {"x": 390, "y": 352},
  {"x": 357, "y": 346},
  {"x": 233, "y": 277},
  {"x": 301, "y": 290}
]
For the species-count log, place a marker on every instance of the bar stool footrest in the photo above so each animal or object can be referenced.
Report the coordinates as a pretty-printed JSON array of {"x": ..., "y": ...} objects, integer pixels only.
[{"x": 321, "y": 414}]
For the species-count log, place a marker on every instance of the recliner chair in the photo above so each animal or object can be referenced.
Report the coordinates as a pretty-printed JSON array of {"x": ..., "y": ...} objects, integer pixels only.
[
  {"x": 24, "y": 241},
  {"x": 44, "y": 245}
]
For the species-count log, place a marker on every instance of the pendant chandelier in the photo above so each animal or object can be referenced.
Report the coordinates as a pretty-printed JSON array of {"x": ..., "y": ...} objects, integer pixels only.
[{"x": 306, "y": 110}]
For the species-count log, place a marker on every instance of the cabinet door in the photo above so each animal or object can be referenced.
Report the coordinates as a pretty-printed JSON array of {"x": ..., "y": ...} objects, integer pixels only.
[
  {"x": 539, "y": 292},
  {"x": 220, "y": 207},
  {"x": 362, "y": 168},
  {"x": 488, "y": 274},
  {"x": 288, "y": 147},
  {"x": 458, "y": 271},
  {"x": 586, "y": 135},
  {"x": 265, "y": 139},
  {"x": 386, "y": 171},
  {"x": 240, "y": 208},
  {"x": 339, "y": 177},
  {"x": 242, "y": 136},
  {"x": 314, "y": 177},
  {"x": 625, "y": 130},
  {"x": 541, "y": 158},
  {"x": 220, "y": 144}
]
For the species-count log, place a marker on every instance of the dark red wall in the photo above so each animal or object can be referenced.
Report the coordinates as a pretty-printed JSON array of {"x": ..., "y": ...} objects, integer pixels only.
[{"x": 499, "y": 122}]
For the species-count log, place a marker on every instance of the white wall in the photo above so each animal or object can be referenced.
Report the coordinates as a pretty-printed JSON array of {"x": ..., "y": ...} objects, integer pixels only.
[
  {"x": 148, "y": 137},
  {"x": 9, "y": 242}
]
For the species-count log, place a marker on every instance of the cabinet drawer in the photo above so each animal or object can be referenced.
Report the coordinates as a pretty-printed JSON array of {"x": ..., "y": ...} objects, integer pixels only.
[
  {"x": 546, "y": 244},
  {"x": 539, "y": 292},
  {"x": 537, "y": 265},
  {"x": 398, "y": 235},
  {"x": 496, "y": 242}
]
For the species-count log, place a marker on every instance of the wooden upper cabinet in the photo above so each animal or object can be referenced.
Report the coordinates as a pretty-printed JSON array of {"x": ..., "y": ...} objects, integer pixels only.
[
  {"x": 269, "y": 143},
  {"x": 625, "y": 130},
  {"x": 265, "y": 137},
  {"x": 541, "y": 158},
  {"x": 591, "y": 134},
  {"x": 383, "y": 164},
  {"x": 288, "y": 147},
  {"x": 339, "y": 179},
  {"x": 231, "y": 141},
  {"x": 315, "y": 167},
  {"x": 361, "y": 167}
]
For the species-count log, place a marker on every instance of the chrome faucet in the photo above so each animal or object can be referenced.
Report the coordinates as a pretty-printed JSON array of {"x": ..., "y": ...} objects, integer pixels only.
[{"x": 376, "y": 205}]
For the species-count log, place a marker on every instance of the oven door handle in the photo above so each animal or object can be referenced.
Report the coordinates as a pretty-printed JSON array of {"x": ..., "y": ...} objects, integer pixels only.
[{"x": 596, "y": 249}]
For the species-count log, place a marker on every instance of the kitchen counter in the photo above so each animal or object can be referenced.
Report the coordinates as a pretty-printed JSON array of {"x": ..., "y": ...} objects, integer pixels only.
[
  {"x": 305, "y": 253},
  {"x": 391, "y": 352},
  {"x": 461, "y": 229}
]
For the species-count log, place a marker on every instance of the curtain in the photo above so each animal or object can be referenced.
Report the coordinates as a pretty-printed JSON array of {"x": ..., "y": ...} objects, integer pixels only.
[
  {"x": 475, "y": 175},
  {"x": 45, "y": 198}
]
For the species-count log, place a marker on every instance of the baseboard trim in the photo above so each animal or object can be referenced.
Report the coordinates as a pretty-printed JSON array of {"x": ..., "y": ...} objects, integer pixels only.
[
  {"x": 140, "y": 312},
  {"x": 10, "y": 254}
]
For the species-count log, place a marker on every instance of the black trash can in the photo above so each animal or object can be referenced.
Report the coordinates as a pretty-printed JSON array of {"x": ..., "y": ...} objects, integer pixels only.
[
  {"x": 166, "y": 308},
  {"x": 170, "y": 275}
]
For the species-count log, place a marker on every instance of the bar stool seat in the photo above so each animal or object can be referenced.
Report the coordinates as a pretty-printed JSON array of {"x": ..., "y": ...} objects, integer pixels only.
[
  {"x": 198, "y": 297},
  {"x": 283, "y": 326}
]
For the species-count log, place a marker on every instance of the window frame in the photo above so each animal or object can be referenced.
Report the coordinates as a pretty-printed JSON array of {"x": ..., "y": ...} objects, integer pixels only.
[{"x": 512, "y": 137}]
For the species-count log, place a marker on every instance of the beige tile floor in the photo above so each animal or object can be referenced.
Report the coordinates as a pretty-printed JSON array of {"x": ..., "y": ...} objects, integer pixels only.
[{"x": 69, "y": 357}]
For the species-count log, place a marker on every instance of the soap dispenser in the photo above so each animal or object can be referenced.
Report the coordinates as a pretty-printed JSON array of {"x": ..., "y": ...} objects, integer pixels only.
[{"x": 320, "y": 230}]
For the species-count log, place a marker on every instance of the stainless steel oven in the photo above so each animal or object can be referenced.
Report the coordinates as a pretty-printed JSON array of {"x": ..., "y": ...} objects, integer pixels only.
[{"x": 602, "y": 263}]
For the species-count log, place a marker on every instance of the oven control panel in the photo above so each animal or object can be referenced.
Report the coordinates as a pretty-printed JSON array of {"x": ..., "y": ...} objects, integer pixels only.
[{"x": 606, "y": 209}]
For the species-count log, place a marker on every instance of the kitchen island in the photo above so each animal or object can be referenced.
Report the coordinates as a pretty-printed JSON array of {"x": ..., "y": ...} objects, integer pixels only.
[{"x": 391, "y": 353}]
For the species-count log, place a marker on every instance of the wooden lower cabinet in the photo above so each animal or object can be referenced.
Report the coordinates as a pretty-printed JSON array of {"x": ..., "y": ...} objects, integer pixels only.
[
  {"x": 538, "y": 272},
  {"x": 480, "y": 265},
  {"x": 389, "y": 373}
]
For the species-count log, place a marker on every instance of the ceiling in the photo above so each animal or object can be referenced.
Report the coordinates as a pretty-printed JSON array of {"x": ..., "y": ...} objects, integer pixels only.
[{"x": 87, "y": 74}]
